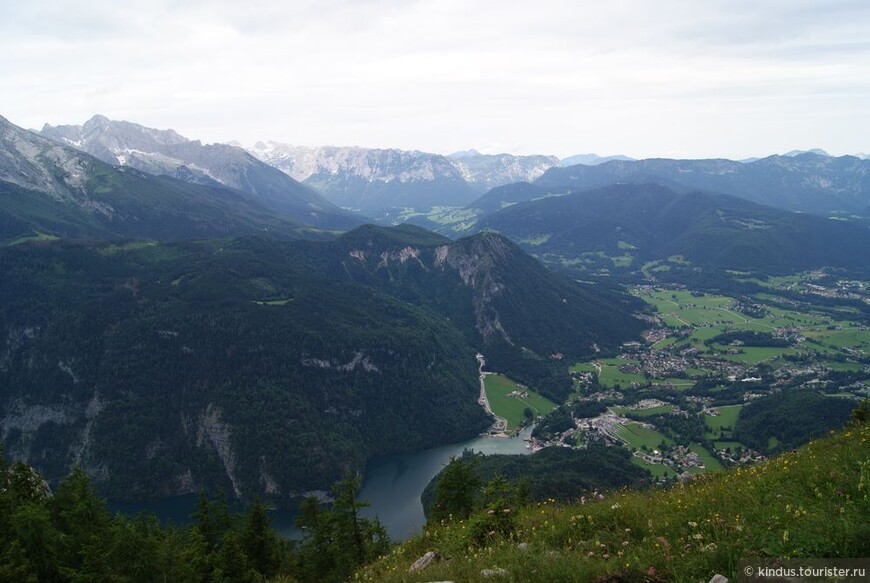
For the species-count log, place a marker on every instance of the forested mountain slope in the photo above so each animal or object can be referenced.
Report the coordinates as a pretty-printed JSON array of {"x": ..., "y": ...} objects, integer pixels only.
[
  {"x": 163, "y": 368},
  {"x": 649, "y": 222},
  {"x": 524, "y": 318},
  {"x": 808, "y": 182}
]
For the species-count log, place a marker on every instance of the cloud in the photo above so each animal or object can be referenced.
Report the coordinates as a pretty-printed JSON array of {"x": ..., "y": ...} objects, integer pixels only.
[{"x": 555, "y": 76}]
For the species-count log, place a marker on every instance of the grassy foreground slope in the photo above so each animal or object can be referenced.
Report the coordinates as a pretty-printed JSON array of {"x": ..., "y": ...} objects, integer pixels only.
[{"x": 810, "y": 503}]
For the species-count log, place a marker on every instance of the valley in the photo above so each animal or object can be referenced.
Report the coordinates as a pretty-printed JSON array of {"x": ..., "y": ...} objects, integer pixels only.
[
  {"x": 676, "y": 398},
  {"x": 662, "y": 307},
  {"x": 478, "y": 292},
  {"x": 164, "y": 368},
  {"x": 632, "y": 336}
]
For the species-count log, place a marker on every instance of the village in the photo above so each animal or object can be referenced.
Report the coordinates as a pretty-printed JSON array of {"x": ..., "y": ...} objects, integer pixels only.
[{"x": 705, "y": 357}]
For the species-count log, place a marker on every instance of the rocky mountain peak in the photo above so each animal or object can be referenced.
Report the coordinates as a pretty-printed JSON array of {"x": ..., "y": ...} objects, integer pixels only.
[
  {"x": 35, "y": 163},
  {"x": 97, "y": 121}
]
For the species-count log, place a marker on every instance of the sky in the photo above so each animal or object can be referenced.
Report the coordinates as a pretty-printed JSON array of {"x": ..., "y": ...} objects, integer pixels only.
[{"x": 663, "y": 78}]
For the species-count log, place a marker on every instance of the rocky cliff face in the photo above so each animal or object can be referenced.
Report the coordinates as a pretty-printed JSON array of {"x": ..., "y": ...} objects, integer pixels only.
[
  {"x": 48, "y": 188},
  {"x": 489, "y": 171},
  {"x": 375, "y": 182},
  {"x": 373, "y": 165},
  {"x": 42, "y": 165},
  {"x": 476, "y": 265},
  {"x": 123, "y": 143},
  {"x": 380, "y": 181}
]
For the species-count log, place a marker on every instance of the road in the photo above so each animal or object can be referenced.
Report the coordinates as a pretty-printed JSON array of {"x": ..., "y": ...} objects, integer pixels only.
[{"x": 500, "y": 426}]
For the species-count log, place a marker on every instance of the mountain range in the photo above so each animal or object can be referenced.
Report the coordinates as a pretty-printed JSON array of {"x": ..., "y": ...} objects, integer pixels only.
[
  {"x": 166, "y": 153},
  {"x": 627, "y": 225},
  {"x": 590, "y": 159},
  {"x": 209, "y": 319},
  {"x": 51, "y": 190},
  {"x": 391, "y": 184},
  {"x": 381, "y": 183},
  {"x": 808, "y": 182}
]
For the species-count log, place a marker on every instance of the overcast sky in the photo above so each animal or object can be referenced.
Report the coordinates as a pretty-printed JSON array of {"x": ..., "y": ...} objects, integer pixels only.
[{"x": 694, "y": 78}]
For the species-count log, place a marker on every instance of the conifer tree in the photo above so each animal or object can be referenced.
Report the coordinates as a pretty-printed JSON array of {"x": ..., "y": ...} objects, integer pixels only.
[{"x": 455, "y": 491}]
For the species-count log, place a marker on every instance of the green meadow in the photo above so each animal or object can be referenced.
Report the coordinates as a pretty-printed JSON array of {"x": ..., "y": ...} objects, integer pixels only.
[
  {"x": 637, "y": 436},
  {"x": 499, "y": 387},
  {"x": 711, "y": 463},
  {"x": 710, "y": 315},
  {"x": 724, "y": 422},
  {"x": 610, "y": 374}
]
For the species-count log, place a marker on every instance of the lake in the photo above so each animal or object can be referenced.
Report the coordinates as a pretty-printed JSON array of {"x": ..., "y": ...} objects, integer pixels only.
[{"x": 392, "y": 484}]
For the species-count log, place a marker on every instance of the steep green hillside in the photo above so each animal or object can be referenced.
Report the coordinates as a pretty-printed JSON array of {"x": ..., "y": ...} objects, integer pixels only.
[
  {"x": 527, "y": 321},
  {"x": 554, "y": 472},
  {"x": 163, "y": 368},
  {"x": 510, "y": 194},
  {"x": 629, "y": 225},
  {"x": 126, "y": 203},
  {"x": 812, "y": 503},
  {"x": 783, "y": 421}
]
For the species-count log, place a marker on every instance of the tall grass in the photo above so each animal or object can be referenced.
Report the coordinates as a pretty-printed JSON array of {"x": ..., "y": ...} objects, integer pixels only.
[{"x": 810, "y": 503}]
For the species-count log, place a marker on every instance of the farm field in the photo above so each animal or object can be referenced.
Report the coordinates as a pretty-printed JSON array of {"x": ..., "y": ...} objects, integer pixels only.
[
  {"x": 753, "y": 354},
  {"x": 637, "y": 436},
  {"x": 727, "y": 418},
  {"x": 583, "y": 367},
  {"x": 710, "y": 315},
  {"x": 498, "y": 390},
  {"x": 657, "y": 470},
  {"x": 711, "y": 464},
  {"x": 732, "y": 445},
  {"x": 610, "y": 374}
]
